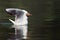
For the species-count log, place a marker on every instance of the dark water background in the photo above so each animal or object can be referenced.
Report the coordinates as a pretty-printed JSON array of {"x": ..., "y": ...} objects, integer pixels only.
[{"x": 44, "y": 24}]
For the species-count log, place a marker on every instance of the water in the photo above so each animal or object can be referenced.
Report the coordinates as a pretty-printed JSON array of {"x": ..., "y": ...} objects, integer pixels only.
[{"x": 5, "y": 29}]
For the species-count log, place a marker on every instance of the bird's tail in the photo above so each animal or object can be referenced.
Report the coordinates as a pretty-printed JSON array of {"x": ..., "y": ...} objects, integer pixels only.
[{"x": 12, "y": 21}]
